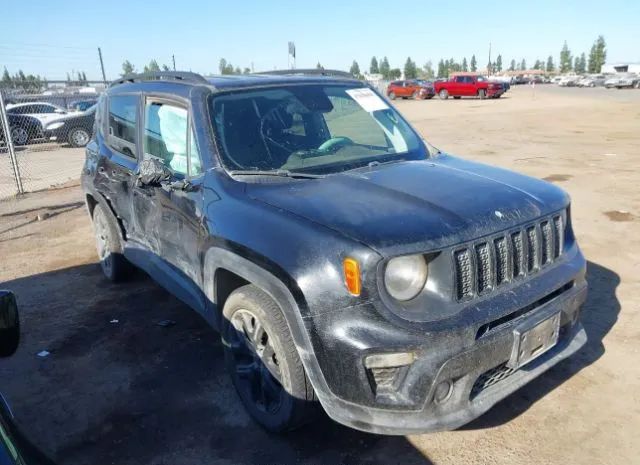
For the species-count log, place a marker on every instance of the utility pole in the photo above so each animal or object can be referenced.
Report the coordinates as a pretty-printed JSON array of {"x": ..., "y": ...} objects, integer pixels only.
[
  {"x": 173, "y": 57},
  {"x": 489, "y": 65},
  {"x": 104, "y": 76}
]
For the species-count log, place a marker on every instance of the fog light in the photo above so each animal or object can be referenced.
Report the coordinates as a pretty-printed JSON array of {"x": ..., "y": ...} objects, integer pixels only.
[{"x": 443, "y": 391}]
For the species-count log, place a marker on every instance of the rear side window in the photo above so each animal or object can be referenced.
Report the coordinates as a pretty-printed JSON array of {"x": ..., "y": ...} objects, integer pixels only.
[{"x": 123, "y": 113}]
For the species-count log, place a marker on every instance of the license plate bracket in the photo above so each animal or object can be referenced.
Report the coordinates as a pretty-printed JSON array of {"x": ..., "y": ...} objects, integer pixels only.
[{"x": 532, "y": 340}]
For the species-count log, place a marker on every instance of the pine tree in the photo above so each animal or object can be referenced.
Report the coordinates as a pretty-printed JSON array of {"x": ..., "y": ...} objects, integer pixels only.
[
  {"x": 385, "y": 68},
  {"x": 512, "y": 66},
  {"x": 550, "y": 66},
  {"x": 319, "y": 66},
  {"x": 373, "y": 67},
  {"x": 465, "y": 66},
  {"x": 565, "y": 59},
  {"x": 395, "y": 73},
  {"x": 428, "y": 70},
  {"x": 84, "y": 78},
  {"x": 6, "y": 77},
  {"x": 593, "y": 60},
  {"x": 523, "y": 65},
  {"x": 473, "y": 64},
  {"x": 601, "y": 53},
  {"x": 499, "y": 64},
  {"x": 410, "y": 70},
  {"x": 441, "y": 73},
  {"x": 355, "y": 69}
]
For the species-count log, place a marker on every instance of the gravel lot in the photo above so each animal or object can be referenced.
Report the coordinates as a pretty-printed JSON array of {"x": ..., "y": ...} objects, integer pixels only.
[{"x": 133, "y": 392}]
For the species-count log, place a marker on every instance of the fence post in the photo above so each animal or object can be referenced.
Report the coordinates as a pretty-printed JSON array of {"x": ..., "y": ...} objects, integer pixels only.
[{"x": 10, "y": 147}]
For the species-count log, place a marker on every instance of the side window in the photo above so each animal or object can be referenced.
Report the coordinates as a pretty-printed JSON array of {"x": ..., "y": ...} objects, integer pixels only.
[
  {"x": 123, "y": 112},
  {"x": 460, "y": 79},
  {"x": 167, "y": 136}
]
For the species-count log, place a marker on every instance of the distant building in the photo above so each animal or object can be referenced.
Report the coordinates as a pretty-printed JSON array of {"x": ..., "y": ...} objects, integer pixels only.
[{"x": 612, "y": 68}]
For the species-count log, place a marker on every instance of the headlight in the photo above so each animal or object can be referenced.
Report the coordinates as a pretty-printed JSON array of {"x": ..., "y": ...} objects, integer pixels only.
[
  {"x": 53, "y": 126},
  {"x": 405, "y": 277}
]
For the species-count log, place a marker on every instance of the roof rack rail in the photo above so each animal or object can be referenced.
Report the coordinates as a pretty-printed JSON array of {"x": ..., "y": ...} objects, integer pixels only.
[
  {"x": 183, "y": 76},
  {"x": 309, "y": 72}
]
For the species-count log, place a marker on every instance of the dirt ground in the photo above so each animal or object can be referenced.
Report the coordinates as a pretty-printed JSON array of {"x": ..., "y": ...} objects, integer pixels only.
[{"x": 117, "y": 388}]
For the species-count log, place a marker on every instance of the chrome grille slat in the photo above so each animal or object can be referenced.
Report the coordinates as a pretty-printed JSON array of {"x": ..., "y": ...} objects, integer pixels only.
[{"x": 485, "y": 265}]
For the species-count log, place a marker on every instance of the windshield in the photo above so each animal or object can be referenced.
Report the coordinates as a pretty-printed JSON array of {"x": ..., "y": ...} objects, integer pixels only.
[{"x": 310, "y": 128}]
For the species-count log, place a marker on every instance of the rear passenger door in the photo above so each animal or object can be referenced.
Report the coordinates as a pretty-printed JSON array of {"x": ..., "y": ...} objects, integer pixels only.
[{"x": 117, "y": 165}]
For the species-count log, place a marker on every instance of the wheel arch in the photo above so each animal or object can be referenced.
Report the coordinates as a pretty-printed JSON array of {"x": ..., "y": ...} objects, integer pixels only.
[{"x": 94, "y": 198}]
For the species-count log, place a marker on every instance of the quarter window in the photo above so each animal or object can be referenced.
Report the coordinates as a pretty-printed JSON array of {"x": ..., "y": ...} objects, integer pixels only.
[
  {"x": 123, "y": 110},
  {"x": 165, "y": 137}
]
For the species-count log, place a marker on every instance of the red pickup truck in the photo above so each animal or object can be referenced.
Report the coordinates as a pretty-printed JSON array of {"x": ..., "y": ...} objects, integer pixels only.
[{"x": 468, "y": 86}]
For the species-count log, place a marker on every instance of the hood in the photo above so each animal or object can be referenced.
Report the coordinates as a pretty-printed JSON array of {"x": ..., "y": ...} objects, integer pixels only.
[{"x": 416, "y": 206}]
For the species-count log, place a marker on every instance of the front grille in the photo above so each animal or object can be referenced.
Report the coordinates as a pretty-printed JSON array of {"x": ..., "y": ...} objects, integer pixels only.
[
  {"x": 486, "y": 265},
  {"x": 489, "y": 378}
]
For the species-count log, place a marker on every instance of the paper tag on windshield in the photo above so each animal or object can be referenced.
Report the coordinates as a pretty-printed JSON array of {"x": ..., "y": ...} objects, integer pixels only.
[{"x": 367, "y": 99}]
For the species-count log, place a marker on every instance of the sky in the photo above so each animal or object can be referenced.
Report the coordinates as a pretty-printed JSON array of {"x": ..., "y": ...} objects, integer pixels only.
[{"x": 54, "y": 38}]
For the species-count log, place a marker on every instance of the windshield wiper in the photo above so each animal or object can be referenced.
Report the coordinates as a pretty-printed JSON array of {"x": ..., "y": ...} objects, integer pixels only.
[{"x": 281, "y": 173}]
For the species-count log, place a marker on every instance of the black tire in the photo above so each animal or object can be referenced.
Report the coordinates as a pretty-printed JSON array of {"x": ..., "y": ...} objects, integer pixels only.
[
  {"x": 114, "y": 266},
  {"x": 457, "y": 97},
  {"x": 263, "y": 362},
  {"x": 392, "y": 95},
  {"x": 443, "y": 94},
  {"x": 78, "y": 137},
  {"x": 20, "y": 135},
  {"x": 482, "y": 94}
]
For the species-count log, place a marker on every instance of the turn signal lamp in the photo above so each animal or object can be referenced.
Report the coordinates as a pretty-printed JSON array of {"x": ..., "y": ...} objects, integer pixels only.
[{"x": 351, "y": 270}]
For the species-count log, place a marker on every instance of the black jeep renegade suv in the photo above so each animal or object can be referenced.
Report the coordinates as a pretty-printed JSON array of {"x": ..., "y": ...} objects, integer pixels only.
[{"x": 342, "y": 258}]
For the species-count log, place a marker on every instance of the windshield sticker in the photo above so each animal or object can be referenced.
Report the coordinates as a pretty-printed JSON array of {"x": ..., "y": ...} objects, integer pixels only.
[{"x": 367, "y": 99}]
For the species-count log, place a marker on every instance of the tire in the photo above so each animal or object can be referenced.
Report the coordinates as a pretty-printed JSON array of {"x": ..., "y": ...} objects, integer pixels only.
[
  {"x": 19, "y": 135},
  {"x": 263, "y": 362},
  {"x": 114, "y": 266},
  {"x": 78, "y": 137},
  {"x": 482, "y": 94},
  {"x": 443, "y": 94},
  {"x": 457, "y": 97},
  {"x": 414, "y": 96},
  {"x": 392, "y": 95}
]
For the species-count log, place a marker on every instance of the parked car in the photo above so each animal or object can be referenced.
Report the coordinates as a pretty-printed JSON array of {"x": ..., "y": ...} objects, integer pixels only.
[
  {"x": 568, "y": 81},
  {"x": 411, "y": 88},
  {"x": 15, "y": 448},
  {"x": 596, "y": 80},
  {"x": 24, "y": 129},
  {"x": 42, "y": 111},
  {"x": 82, "y": 105},
  {"x": 624, "y": 81},
  {"x": 74, "y": 128},
  {"x": 341, "y": 257},
  {"x": 469, "y": 86}
]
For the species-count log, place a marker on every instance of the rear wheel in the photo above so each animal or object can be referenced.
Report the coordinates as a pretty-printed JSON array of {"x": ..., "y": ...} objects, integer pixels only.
[
  {"x": 443, "y": 94},
  {"x": 114, "y": 266},
  {"x": 392, "y": 95},
  {"x": 78, "y": 137},
  {"x": 263, "y": 361},
  {"x": 482, "y": 94},
  {"x": 19, "y": 136},
  {"x": 415, "y": 95}
]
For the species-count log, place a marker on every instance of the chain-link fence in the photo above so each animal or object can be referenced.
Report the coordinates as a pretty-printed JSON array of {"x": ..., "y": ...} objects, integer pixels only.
[{"x": 45, "y": 126}]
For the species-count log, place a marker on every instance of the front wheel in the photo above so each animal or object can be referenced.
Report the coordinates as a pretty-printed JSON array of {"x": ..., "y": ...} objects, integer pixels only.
[
  {"x": 482, "y": 94},
  {"x": 392, "y": 95},
  {"x": 78, "y": 137},
  {"x": 114, "y": 266},
  {"x": 19, "y": 136},
  {"x": 443, "y": 94},
  {"x": 263, "y": 361}
]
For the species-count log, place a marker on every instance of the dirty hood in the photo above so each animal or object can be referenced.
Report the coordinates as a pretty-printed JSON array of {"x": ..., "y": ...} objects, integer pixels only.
[{"x": 416, "y": 206}]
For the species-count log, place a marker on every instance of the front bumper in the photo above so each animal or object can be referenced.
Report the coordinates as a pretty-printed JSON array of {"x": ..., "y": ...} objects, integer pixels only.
[{"x": 450, "y": 356}]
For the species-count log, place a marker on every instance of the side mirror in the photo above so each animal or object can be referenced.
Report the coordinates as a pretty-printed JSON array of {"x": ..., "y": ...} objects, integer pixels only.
[
  {"x": 153, "y": 172},
  {"x": 9, "y": 324}
]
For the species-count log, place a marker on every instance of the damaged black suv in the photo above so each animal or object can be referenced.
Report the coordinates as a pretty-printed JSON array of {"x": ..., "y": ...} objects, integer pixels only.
[{"x": 342, "y": 258}]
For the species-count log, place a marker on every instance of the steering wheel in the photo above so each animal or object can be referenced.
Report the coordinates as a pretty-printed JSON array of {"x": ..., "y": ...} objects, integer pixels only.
[{"x": 334, "y": 143}]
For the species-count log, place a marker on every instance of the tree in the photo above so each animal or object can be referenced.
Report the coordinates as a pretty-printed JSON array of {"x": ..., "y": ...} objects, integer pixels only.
[
  {"x": 395, "y": 73},
  {"x": 465, "y": 66},
  {"x": 355, "y": 69},
  {"x": 246, "y": 71},
  {"x": 224, "y": 67},
  {"x": 538, "y": 65},
  {"x": 474, "y": 64},
  {"x": 237, "y": 70},
  {"x": 428, "y": 70},
  {"x": 565, "y": 58},
  {"x": 165, "y": 67},
  {"x": 550, "y": 66},
  {"x": 499, "y": 64},
  {"x": 601, "y": 53},
  {"x": 384, "y": 68},
  {"x": 410, "y": 70},
  {"x": 523, "y": 65},
  {"x": 319, "y": 66},
  {"x": 6, "y": 77},
  {"x": 152, "y": 67},
  {"x": 580, "y": 65},
  {"x": 84, "y": 78},
  {"x": 373, "y": 67},
  {"x": 512, "y": 66},
  {"x": 593, "y": 60},
  {"x": 127, "y": 68},
  {"x": 441, "y": 71}
]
